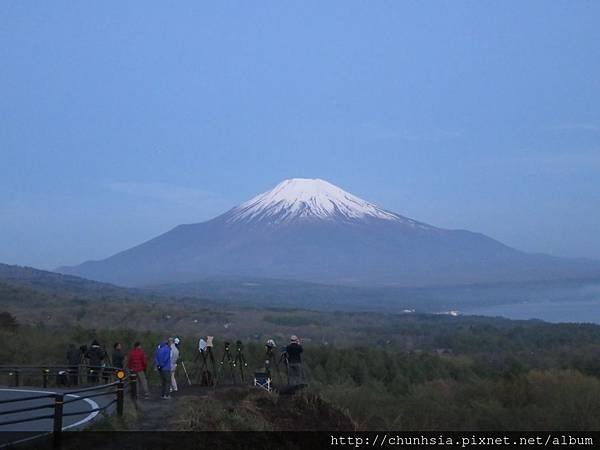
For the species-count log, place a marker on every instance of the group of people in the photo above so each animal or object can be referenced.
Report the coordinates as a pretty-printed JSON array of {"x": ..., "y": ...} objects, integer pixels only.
[
  {"x": 166, "y": 358},
  {"x": 97, "y": 361},
  {"x": 96, "y": 358}
]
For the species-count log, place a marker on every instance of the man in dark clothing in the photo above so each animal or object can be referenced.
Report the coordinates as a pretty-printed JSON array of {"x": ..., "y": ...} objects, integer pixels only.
[
  {"x": 73, "y": 360},
  {"x": 96, "y": 356},
  {"x": 295, "y": 371},
  {"x": 118, "y": 357},
  {"x": 162, "y": 360}
]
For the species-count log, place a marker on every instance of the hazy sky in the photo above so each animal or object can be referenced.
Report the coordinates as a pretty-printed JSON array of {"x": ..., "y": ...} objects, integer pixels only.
[{"x": 120, "y": 120}]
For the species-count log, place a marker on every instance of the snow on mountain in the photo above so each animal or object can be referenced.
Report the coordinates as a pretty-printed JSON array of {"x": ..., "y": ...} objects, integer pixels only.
[
  {"x": 311, "y": 230},
  {"x": 303, "y": 198}
]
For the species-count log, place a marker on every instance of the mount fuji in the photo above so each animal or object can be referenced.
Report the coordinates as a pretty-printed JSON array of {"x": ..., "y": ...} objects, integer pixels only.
[{"x": 312, "y": 230}]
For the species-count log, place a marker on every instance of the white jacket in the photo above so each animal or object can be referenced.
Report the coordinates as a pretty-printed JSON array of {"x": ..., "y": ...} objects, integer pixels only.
[{"x": 174, "y": 357}]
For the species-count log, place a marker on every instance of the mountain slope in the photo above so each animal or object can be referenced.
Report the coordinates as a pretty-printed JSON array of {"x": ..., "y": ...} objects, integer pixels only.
[
  {"x": 52, "y": 282},
  {"x": 311, "y": 230}
]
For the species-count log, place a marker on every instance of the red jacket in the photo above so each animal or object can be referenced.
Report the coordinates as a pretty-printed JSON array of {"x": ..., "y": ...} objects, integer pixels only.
[{"x": 137, "y": 360}]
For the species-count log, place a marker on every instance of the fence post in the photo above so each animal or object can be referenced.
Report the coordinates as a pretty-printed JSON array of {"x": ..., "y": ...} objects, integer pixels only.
[
  {"x": 58, "y": 419},
  {"x": 120, "y": 398},
  {"x": 17, "y": 378},
  {"x": 133, "y": 384},
  {"x": 45, "y": 377}
]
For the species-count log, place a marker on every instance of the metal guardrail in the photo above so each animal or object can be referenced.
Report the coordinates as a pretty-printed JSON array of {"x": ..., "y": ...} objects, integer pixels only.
[{"x": 124, "y": 380}]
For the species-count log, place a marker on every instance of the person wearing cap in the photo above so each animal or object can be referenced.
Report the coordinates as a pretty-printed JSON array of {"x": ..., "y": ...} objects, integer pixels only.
[
  {"x": 96, "y": 356},
  {"x": 270, "y": 355},
  {"x": 174, "y": 345},
  {"x": 295, "y": 372}
]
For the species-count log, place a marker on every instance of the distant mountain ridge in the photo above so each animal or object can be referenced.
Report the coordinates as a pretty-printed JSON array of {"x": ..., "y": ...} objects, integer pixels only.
[
  {"x": 311, "y": 230},
  {"x": 58, "y": 283},
  {"x": 33, "y": 288}
]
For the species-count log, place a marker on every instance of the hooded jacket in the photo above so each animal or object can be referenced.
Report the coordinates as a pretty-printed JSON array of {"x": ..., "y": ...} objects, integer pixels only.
[{"x": 162, "y": 358}]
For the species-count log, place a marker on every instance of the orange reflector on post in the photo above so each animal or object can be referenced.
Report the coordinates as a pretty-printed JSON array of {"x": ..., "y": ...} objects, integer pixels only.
[{"x": 120, "y": 374}]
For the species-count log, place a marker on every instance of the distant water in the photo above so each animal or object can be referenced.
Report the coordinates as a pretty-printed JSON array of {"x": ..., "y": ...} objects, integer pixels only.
[
  {"x": 550, "y": 311},
  {"x": 564, "y": 302}
]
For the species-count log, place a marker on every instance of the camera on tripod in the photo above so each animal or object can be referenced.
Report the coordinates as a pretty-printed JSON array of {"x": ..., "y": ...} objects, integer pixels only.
[
  {"x": 205, "y": 347},
  {"x": 232, "y": 363}
]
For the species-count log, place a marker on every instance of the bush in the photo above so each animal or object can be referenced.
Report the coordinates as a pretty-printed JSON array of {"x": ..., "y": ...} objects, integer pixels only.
[{"x": 8, "y": 322}]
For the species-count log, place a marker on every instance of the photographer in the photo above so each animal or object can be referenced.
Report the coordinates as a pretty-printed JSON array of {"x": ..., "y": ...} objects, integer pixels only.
[
  {"x": 295, "y": 371},
  {"x": 174, "y": 345},
  {"x": 96, "y": 356},
  {"x": 73, "y": 360},
  {"x": 162, "y": 360}
]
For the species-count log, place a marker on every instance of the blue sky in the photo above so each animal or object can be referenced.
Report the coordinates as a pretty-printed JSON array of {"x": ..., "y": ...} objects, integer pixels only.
[{"x": 120, "y": 120}]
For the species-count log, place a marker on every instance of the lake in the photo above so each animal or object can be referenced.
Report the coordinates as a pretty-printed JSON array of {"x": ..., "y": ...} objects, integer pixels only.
[{"x": 550, "y": 311}]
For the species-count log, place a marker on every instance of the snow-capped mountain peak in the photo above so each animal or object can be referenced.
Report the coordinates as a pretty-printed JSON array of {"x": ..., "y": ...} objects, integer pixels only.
[
  {"x": 299, "y": 198},
  {"x": 311, "y": 230}
]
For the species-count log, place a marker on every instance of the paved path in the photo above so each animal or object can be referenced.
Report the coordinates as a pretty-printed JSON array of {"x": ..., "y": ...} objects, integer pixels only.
[{"x": 42, "y": 426}]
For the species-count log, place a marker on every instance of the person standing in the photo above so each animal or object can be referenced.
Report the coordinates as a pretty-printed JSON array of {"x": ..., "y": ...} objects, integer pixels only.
[
  {"x": 295, "y": 372},
  {"x": 118, "y": 357},
  {"x": 174, "y": 345},
  {"x": 96, "y": 356},
  {"x": 269, "y": 356},
  {"x": 137, "y": 363},
  {"x": 162, "y": 360},
  {"x": 73, "y": 360}
]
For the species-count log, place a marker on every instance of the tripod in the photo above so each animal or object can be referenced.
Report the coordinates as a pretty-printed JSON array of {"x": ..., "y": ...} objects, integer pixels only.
[
  {"x": 284, "y": 359},
  {"x": 230, "y": 362},
  {"x": 207, "y": 377},
  {"x": 239, "y": 359}
]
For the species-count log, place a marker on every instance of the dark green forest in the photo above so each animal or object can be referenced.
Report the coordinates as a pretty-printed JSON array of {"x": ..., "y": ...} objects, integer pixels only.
[
  {"x": 504, "y": 376},
  {"x": 386, "y": 371}
]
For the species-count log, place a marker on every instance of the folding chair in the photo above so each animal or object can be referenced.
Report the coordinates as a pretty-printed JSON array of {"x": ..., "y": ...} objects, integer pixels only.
[{"x": 262, "y": 380}]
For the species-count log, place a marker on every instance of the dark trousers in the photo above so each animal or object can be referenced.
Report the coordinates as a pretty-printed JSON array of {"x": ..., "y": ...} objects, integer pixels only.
[
  {"x": 295, "y": 374},
  {"x": 73, "y": 375},
  {"x": 165, "y": 382}
]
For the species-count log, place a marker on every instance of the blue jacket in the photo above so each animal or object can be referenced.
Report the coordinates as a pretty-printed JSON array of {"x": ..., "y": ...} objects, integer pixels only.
[{"x": 162, "y": 358}]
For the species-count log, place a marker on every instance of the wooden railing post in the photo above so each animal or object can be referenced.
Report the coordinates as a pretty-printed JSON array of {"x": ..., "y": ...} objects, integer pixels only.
[
  {"x": 133, "y": 384},
  {"x": 120, "y": 398},
  {"x": 58, "y": 419}
]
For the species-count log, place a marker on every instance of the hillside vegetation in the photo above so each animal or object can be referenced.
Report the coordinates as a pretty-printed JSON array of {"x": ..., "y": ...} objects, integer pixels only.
[
  {"x": 508, "y": 377},
  {"x": 384, "y": 371}
]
